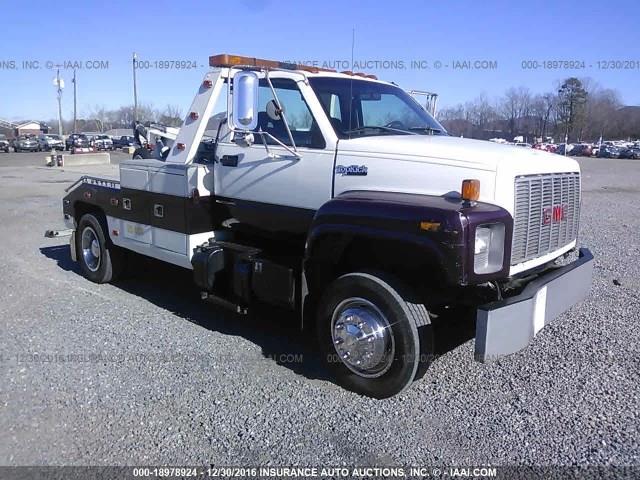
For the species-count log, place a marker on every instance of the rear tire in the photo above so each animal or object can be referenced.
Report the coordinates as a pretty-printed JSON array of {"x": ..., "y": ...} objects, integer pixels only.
[
  {"x": 140, "y": 153},
  {"x": 100, "y": 260},
  {"x": 373, "y": 339}
]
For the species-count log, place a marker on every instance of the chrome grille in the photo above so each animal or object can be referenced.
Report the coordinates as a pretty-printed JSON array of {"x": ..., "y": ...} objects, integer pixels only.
[{"x": 539, "y": 228}]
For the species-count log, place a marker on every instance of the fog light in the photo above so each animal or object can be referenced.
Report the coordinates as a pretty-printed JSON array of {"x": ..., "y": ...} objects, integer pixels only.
[{"x": 489, "y": 248}]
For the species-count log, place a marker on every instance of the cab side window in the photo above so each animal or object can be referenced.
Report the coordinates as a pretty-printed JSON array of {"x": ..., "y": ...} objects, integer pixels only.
[{"x": 304, "y": 129}]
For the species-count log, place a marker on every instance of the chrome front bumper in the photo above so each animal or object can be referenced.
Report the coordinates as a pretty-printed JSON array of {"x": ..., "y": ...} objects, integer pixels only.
[{"x": 506, "y": 326}]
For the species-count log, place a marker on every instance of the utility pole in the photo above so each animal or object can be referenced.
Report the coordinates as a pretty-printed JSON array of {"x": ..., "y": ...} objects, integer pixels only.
[
  {"x": 75, "y": 129},
  {"x": 59, "y": 83},
  {"x": 135, "y": 89}
]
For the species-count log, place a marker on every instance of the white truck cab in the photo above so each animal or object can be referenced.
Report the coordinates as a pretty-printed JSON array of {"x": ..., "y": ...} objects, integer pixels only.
[{"x": 338, "y": 196}]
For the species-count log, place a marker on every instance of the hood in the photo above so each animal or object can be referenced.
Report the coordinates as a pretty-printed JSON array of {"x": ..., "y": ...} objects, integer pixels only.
[
  {"x": 463, "y": 152},
  {"x": 437, "y": 164}
]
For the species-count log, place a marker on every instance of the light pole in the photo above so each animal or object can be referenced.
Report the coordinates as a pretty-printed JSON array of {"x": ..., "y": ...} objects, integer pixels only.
[
  {"x": 59, "y": 83},
  {"x": 135, "y": 89},
  {"x": 74, "y": 101}
]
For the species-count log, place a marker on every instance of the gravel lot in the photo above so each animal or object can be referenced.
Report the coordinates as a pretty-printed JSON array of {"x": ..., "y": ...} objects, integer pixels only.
[{"x": 142, "y": 372}]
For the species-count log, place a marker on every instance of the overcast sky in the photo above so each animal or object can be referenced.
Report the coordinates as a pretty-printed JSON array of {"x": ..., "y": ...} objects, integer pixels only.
[{"x": 460, "y": 49}]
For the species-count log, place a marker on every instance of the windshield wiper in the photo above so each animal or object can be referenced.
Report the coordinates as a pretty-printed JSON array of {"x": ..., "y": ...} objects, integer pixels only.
[
  {"x": 426, "y": 129},
  {"x": 379, "y": 128}
]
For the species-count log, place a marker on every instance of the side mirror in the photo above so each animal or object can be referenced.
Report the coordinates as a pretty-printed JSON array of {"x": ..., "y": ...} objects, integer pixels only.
[{"x": 244, "y": 113}]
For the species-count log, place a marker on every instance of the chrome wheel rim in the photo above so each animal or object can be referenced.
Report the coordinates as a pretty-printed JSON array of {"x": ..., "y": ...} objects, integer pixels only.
[
  {"x": 362, "y": 337},
  {"x": 90, "y": 249}
]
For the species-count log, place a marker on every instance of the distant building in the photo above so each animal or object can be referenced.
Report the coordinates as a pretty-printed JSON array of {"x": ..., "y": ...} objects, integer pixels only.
[
  {"x": 30, "y": 127},
  {"x": 14, "y": 129}
]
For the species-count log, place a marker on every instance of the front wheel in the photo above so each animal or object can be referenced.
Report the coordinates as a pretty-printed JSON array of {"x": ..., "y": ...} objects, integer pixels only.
[
  {"x": 100, "y": 260},
  {"x": 374, "y": 339}
]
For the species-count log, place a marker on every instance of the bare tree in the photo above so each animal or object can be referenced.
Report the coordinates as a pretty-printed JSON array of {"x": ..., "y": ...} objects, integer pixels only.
[
  {"x": 515, "y": 108},
  {"x": 99, "y": 115},
  {"x": 171, "y": 116}
]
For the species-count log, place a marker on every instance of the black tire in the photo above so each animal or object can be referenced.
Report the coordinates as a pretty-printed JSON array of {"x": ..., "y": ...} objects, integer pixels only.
[
  {"x": 111, "y": 259},
  {"x": 16, "y": 149},
  {"x": 409, "y": 345},
  {"x": 141, "y": 153}
]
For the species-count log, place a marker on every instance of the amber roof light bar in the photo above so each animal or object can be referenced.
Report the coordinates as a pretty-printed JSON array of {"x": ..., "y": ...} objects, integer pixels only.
[{"x": 226, "y": 60}]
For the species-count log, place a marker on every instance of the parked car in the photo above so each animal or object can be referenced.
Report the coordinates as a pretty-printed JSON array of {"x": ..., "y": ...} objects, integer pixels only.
[
  {"x": 581, "y": 150},
  {"x": 124, "y": 141},
  {"x": 102, "y": 142},
  {"x": 25, "y": 142},
  {"x": 77, "y": 140},
  {"x": 632, "y": 153},
  {"x": 522, "y": 144},
  {"x": 608, "y": 151},
  {"x": 49, "y": 142},
  {"x": 4, "y": 143},
  {"x": 546, "y": 147}
]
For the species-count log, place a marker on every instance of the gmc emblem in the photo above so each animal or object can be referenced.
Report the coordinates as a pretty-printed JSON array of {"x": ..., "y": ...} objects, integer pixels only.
[{"x": 554, "y": 214}]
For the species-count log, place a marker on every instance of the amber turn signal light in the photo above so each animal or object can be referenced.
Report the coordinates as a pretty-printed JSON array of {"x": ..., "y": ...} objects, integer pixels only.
[
  {"x": 430, "y": 226},
  {"x": 471, "y": 190}
]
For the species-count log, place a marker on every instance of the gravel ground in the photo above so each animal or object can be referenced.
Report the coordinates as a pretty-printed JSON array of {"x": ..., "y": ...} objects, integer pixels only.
[{"x": 142, "y": 372}]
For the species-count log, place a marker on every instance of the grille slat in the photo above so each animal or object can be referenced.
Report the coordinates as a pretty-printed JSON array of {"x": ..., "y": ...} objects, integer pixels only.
[{"x": 535, "y": 198}]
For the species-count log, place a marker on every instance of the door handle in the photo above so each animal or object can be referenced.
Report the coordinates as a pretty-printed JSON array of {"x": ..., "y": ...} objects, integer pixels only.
[
  {"x": 158, "y": 210},
  {"x": 229, "y": 160}
]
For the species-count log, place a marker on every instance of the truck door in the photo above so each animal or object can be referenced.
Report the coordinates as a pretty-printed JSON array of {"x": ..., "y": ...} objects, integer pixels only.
[{"x": 277, "y": 194}]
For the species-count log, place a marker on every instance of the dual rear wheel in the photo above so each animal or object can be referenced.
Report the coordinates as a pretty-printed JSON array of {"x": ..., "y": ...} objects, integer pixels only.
[{"x": 100, "y": 260}]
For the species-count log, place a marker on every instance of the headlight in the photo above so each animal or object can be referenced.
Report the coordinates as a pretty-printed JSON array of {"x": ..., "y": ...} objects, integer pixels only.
[{"x": 489, "y": 248}]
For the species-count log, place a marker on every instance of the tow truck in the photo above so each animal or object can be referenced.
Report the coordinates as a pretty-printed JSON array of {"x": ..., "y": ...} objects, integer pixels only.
[{"x": 339, "y": 197}]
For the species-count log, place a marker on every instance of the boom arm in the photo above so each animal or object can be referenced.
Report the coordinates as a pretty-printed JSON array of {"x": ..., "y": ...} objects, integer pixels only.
[{"x": 186, "y": 143}]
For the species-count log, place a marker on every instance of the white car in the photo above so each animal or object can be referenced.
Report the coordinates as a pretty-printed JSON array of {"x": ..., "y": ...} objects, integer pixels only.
[
  {"x": 102, "y": 142},
  {"x": 49, "y": 142}
]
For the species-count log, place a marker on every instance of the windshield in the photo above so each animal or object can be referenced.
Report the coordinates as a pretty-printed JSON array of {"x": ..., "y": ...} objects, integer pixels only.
[
  {"x": 375, "y": 109},
  {"x": 53, "y": 137}
]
